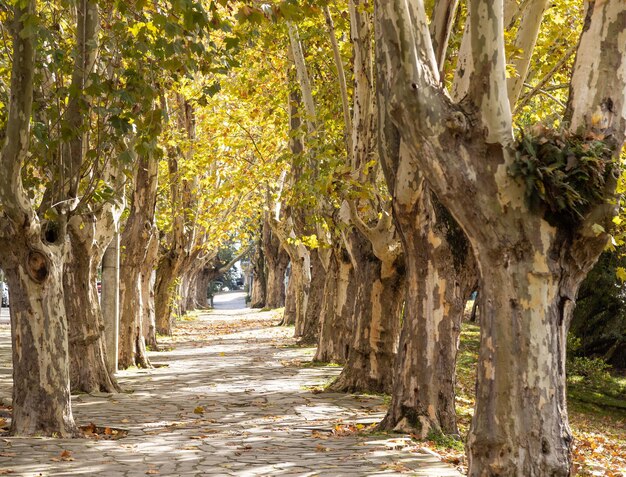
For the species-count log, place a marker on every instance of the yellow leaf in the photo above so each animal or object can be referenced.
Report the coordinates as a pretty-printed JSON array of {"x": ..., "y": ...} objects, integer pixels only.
[{"x": 198, "y": 410}]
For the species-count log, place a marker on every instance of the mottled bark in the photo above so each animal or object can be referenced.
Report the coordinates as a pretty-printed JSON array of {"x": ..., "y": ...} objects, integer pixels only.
[
  {"x": 289, "y": 315},
  {"x": 307, "y": 330},
  {"x": 441, "y": 274},
  {"x": 110, "y": 300},
  {"x": 32, "y": 266},
  {"x": 41, "y": 381},
  {"x": 136, "y": 265},
  {"x": 259, "y": 283},
  {"x": 89, "y": 371},
  {"x": 146, "y": 284},
  {"x": 379, "y": 301},
  {"x": 164, "y": 292},
  {"x": 336, "y": 320},
  {"x": 203, "y": 280},
  {"x": 276, "y": 261}
]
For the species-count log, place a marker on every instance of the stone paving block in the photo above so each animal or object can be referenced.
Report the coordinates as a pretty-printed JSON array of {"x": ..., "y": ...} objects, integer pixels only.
[{"x": 258, "y": 420}]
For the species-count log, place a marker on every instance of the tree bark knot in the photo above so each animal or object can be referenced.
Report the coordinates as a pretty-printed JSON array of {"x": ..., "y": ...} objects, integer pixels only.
[{"x": 38, "y": 266}]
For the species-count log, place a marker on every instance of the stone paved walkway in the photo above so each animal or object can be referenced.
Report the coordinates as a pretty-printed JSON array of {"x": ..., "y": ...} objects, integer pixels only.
[{"x": 232, "y": 398}]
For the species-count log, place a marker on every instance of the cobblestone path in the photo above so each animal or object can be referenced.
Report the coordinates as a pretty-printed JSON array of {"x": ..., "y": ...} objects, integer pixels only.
[{"x": 232, "y": 397}]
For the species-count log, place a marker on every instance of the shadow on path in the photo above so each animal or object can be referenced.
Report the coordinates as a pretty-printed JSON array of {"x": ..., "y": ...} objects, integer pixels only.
[{"x": 231, "y": 399}]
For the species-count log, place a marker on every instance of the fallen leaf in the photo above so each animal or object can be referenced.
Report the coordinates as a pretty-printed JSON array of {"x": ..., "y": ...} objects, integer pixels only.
[
  {"x": 108, "y": 431},
  {"x": 152, "y": 472},
  {"x": 6, "y": 471},
  {"x": 321, "y": 448},
  {"x": 7, "y": 454},
  {"x": 66, "y": 456},
  {"x": 198, "y": 410},
  {"x": 124, "y": 420}
]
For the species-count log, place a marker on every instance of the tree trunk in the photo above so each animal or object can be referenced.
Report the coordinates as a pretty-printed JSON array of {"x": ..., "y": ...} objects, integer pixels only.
[
  {"x": 259, "y": 282},
  {"x": 378, "y": 307},
  {"x": 276, "y": 261},
  {"x": 164, "y": 292},
  {"x": 203, "y": 280},
  {"x": 41, "y": 380},
  {"x": 139, "y": 245},
  {"x": 88, "y": 365},
  {"x": 299, "y": 283},
  {"x": 524, "y": 324},
  {"x": 440, "y": 277},
  {"x": 110, "y": 301},
  {"x": 307, "y": 330},
  {"x": 275, "y": 291},
  {"x": 147, "y": 279},
  {"x": 289, "y": 315},
  {"x": 334, "y": 339}
]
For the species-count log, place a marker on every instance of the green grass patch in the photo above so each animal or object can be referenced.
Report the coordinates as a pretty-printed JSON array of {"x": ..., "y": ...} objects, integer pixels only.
[
  {"x": 443, "y": 441},
  {"x": 318, "y": 364}
]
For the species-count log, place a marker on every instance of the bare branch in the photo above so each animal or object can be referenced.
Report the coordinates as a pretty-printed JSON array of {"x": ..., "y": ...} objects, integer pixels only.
[
  {"x": 540, "y": 85},
  {"x": 440, "y": 29},
  {"x": 303, "y": 76},
  {"x": 341, "y": 78},
  {"x": 525, "y": 40}
]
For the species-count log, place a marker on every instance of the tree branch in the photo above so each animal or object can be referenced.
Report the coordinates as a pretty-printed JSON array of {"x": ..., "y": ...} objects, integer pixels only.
[
  {"x": 303, "y": 76},
  {"x": 487, "y": 82},
  {"x": 527, "y": 34},
  {"x": 341, "y": 78},
  {"x": 13, "y": 200},
  {"x": 440, "y": 29},
  {"x": 540, "y": 85}
]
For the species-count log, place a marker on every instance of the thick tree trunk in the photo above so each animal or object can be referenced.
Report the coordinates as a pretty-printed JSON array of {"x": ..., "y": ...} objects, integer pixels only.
[
  {"x": 337, "y": 316},
  {"x": 440, "y": 277},
  {"x": 298, "y": 294},
  {"x": 275, "y": 284},
  {"x": 203, "y": 280},
  {"x": 524, "y": 324},
  {"x": 259, "y": 282},
  {"x": 276, "y": 261},
  {"x": 147, "y": 279},
  {"x": 88, "y": 364},
  {"x": 164, "y": 292},
  {"x": 307, "y": 330},
  {"x": 378, "y": 307},
  {"x": 138, "y": 252},
  {"x": 41, "y": 381}
]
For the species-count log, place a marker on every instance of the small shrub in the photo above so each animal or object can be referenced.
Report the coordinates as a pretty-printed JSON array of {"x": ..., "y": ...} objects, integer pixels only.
[{"x": 594, "y": 371}]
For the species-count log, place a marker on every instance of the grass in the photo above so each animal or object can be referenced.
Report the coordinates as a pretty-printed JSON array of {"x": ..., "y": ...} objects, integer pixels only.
[{"x": 318, "y": 364}]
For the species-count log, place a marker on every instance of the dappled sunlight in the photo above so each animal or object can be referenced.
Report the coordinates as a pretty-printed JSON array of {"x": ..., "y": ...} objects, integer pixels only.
[{"x": 231, "y": 404}]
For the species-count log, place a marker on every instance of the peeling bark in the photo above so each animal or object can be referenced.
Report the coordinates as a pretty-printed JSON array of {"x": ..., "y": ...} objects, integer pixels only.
[
  {"x": 136, "y": 264},
  {"x": 32, "y": 266},
  {"x": 88, "y": 363},
  {"x": 307, "y": 330},
  {"x": 276, "y": 261},
  {"x": 378, "y": 307},
  {"x": 334, "y": 341},
  {"x": 441, "y": 274}
]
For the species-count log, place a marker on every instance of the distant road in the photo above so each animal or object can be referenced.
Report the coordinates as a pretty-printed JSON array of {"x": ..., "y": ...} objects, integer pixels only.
[{"x": 4, "y": 315}]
